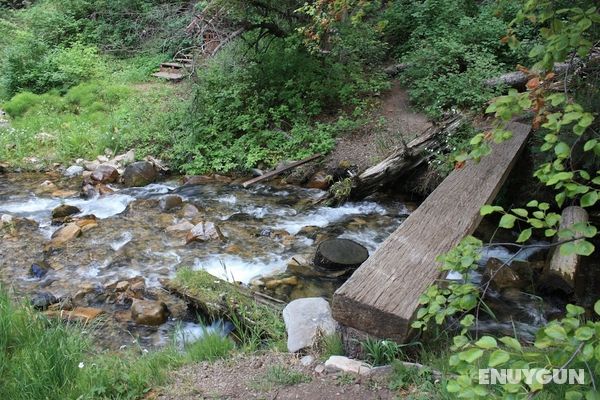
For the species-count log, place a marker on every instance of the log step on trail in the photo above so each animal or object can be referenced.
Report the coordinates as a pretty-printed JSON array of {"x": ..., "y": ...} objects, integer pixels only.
[{"x": 382, "y": 295}]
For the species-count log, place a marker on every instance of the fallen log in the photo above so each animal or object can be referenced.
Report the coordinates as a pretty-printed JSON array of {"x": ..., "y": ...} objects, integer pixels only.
[
  {"x": 217, "y": 298},
  {"x": 405, "y": 159},
  {"x": 561, "y": 271},
  {"x": 278, "y": 171}
]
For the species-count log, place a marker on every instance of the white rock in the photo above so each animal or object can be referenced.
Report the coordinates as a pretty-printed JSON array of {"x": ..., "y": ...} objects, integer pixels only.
[
  {"x": 73, "y": 170},
  {"x": 319, "y": 369},
  {"x": 102, "y": 159},
  {"x": 304, "y": 318},
  {"x": 6, "y": 219},
  {"x": 307, "y": 360},
  {"x": 126, "y": 158},
  {"x": 345, "y": 364}
]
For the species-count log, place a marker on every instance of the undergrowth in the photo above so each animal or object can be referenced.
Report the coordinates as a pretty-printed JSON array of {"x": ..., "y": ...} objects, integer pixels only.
[{"x": 43, "y": 358}]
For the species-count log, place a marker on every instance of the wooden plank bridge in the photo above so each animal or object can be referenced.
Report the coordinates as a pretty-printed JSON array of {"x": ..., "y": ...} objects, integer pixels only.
[{"x": 381, "y": 297}]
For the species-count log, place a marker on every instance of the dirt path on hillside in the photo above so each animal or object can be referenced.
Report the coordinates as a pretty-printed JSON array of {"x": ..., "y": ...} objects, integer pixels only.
[
  {"x": 262, "y": 377},
  {"x": 393, "y": 123}
]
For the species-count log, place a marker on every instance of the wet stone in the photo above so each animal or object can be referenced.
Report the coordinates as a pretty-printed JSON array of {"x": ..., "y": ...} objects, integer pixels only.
[
  {"x": 42, "y": 300},
  {"x": 38, "y": 270},
  {"x": 64, "y": 210},
  {"x": 146, "y": 312},
  {"x": 139, "y": 174},
  {"x": 170, "y": 202},
  {"x": 105, "y": 174}
]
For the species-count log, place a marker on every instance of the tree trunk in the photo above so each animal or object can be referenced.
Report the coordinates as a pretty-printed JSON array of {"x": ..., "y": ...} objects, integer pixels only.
[
  {"x": 561, "y": 270},
  {"x": 339, "y": 254}
]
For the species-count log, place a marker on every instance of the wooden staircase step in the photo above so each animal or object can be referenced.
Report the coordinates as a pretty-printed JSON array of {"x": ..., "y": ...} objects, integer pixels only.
[
  {"x": 171, "y": 65},
  {"x": 170, "y": 76}
]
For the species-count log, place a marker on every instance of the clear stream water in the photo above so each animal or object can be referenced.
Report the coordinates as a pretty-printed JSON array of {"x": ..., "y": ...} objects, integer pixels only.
[{"x": 264, "y": 227}]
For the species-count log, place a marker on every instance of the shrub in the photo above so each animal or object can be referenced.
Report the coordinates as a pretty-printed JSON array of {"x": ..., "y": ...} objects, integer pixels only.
[
  {"x": 451, "y": 48},
  {"x": 259, "y": 109}
]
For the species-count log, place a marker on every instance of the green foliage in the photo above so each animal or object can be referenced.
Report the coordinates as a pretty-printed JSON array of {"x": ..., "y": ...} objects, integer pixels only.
[
  {"x": 260, "y": 108},
  {"x": 88, "y": 119},
  {"x": 46, "y": 359},
  {"x": 209, "y": 348},
  {"x": 571, "y": 342},
  {"x": 380, "y": 352},
  {"x": 440, "y": 302},
  {"x": 30, "y": 64},
  {"x": 331, "y": 345},
  {"x": 451, "y": 48}
]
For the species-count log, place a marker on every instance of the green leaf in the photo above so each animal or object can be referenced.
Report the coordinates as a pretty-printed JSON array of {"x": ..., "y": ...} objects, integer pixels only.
[
  {"x": 560, "y": 198},
  {"x": 521, "y": 212},
  {"x": 489, "y": 209},
  {"x": 589, "y": 199},
  {"x": 586, "y": 120},
  {"x": 562, "y": 150},
  {"x": 470, "y": 355},
  {"x": 573, "y": 395},
  {"x": 560, "y": 176},
  {"x": 597, "y": 307},
  {"x": 556, "y": 332},
  {"x": 453, "y": 387},
  {"x": 524, "y": 236},
  {"x": 584, "y": 333},
  {"x": 511, "y": 342},
  {"x": 574, "y": 310},
  {"x": 584, "y": 248},
  {"x": 460, "y": 341},
  {"x": 498, "y": 357},
  {"x": 550, "y": 232},
  {"x": 567, "y": 249},
  {"x": 592, "y": 395},
  {"x": 507, "y": 221},
  {"x": 590, "y": 144},
  {"x": 533, "y": 203},
  {"x": 486, "y": 342}
]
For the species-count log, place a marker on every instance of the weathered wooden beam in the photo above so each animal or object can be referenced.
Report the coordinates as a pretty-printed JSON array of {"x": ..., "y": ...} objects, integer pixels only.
[
  {"x": 280, "y": 170},
  {"x": 381, "y": 297}
]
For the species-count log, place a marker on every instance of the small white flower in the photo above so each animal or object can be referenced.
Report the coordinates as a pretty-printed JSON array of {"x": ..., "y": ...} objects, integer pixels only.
[
  {"x": 81, "y": 365},
  {"x": 123, "y": 347},
  {"x": 145, "y": 351}
]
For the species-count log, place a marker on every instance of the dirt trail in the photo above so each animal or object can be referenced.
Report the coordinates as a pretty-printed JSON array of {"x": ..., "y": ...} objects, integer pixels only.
[
  {"x": 393, "y": 123},
  {"x": 251, "y": 377}
]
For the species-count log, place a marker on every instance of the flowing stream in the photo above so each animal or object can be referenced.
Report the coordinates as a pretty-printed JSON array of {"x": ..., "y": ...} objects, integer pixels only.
[{"x": 264, "y": 227}]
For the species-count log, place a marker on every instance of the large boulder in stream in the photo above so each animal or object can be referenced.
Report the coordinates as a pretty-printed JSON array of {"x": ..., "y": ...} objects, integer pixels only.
[
  {"x": 139, "y": 174},
  {"x": 305, "y": 319},
  {"x": 338, "y": 254},
  {"x": 147, "y": 312}
]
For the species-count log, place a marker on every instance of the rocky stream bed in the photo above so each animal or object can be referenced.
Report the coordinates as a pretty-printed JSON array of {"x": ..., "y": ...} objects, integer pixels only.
[{"x": 80, "y": 250}]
